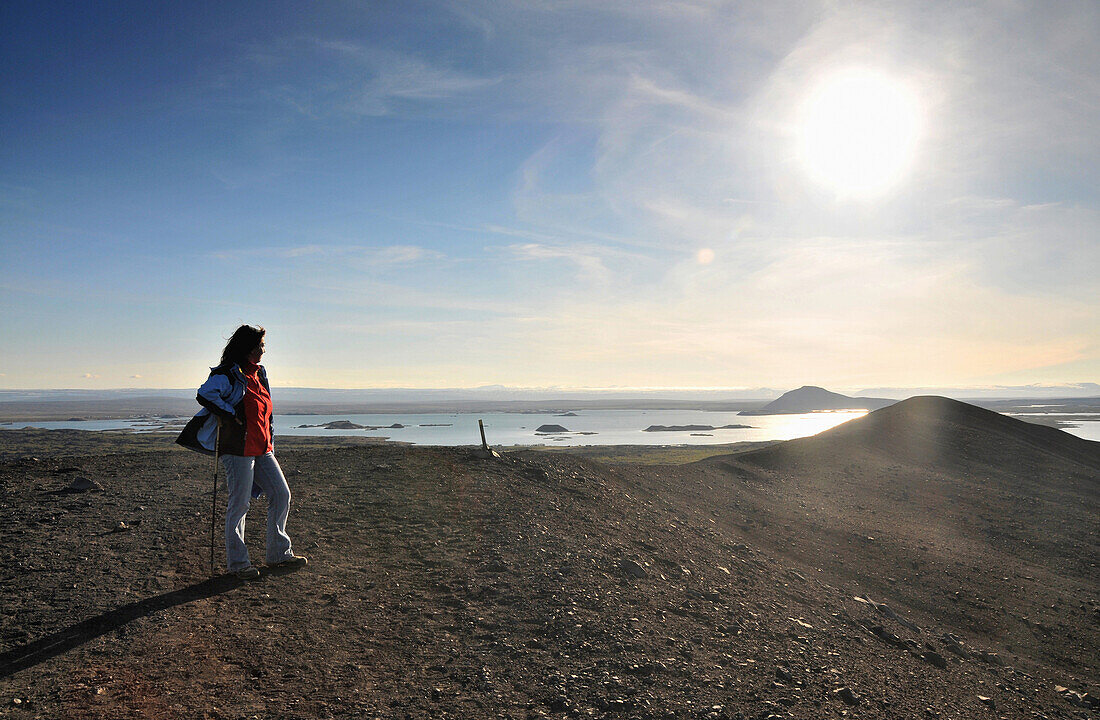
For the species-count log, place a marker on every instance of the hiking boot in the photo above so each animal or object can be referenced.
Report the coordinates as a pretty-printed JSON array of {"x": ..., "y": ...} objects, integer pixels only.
[
  {"x": 294, "y": 561},
  {"x": 249, "y": 573}
]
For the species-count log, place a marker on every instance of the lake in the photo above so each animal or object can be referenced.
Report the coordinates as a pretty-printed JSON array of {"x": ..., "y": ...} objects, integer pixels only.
[{"x": 585, "y": 427}]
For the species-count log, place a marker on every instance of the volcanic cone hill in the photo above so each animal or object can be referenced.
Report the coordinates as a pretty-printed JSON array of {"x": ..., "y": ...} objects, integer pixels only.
[
  {"x": 987, "y": 526},
  {"x": 542, "y": 585},
  {"x": 939, "y": 432}
]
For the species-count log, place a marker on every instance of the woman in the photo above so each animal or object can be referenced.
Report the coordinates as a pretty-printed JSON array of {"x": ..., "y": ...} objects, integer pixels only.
[{"x": 235, "y": 422}]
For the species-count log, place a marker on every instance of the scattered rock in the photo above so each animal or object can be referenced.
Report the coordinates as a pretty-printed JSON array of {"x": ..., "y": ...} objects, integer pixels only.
[
  {"x": 121, "y": 527},
  {"x": 849, "y": 697},
  {"x": 885, "y": 635},
  {"x": 934, "y": 658},
  {"x": 886, "y": 611},
  {"x": 1080, "y": 699},
  {"x": 954, "y": 645},
  {"x": 633, "y": 569},
  {"x": 784, "y": 675},
  {"x": 83, "y": 484},
  {"x": 557, "y": 703},
  {"x": 987, "y": 701},
  {"x": 990, "y": 657}
]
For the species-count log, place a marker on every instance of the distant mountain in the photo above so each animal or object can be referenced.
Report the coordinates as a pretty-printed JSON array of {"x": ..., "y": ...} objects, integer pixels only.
[
  {"x": 1015, "y": 392},
  {"x": 810, "y": 398}
]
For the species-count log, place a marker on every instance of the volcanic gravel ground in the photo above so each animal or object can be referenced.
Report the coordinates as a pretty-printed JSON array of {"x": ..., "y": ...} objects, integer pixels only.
[{"x": 442, "y": 585}]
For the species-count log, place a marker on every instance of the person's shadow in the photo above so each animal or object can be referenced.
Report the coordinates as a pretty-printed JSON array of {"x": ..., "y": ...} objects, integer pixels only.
[{"x": 31, "y": 654}]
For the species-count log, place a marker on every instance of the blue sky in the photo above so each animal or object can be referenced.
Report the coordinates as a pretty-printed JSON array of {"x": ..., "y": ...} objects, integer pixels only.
[{"x": 575, "y": 194}]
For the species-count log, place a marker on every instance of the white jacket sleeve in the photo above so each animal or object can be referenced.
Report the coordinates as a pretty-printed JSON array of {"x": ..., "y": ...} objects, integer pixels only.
[{"x": 215, "y": 391}]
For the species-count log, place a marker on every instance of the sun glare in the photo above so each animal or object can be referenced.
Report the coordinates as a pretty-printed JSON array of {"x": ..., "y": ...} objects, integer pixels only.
[{"x": 858, "y": 132}]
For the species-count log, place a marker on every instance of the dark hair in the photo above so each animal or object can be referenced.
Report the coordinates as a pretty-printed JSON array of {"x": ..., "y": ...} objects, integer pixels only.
[{"x": 240, "y": 345}]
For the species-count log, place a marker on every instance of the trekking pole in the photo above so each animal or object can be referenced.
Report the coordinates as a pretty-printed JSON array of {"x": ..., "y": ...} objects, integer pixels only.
[{"x": 214, "y": 498}]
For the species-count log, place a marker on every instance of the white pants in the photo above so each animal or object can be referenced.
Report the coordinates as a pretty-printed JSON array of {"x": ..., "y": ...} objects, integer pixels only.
[{"x": 239, "y": 474}]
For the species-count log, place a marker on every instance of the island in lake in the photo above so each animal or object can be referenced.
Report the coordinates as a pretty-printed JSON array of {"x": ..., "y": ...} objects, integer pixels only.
[{"x": 349, "y": 425}]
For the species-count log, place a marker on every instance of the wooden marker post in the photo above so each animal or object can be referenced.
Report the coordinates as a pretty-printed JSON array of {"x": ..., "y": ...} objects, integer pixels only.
[{"x": 485, "y": 452}]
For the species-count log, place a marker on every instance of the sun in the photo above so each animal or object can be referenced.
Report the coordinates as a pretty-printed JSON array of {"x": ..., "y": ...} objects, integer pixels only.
[{"x": 857, "y": 132}]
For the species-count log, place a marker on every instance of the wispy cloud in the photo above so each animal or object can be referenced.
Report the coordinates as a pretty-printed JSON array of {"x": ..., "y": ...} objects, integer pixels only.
[
  {"x": 395, "y": 79},
  {"x": 390, "y": 255},
  {"x": 590, "y": 266}
]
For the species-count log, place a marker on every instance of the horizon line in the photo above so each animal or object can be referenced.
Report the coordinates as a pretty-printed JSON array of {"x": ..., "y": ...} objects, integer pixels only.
[{"x": 594, "y": 389}]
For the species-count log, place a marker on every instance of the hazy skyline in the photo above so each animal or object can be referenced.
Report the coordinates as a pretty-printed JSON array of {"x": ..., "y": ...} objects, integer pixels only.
[{"x": 552, "y": 194}]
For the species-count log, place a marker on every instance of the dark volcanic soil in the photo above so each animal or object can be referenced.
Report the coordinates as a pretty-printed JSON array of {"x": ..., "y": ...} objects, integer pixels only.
[{"x": 547, "y": 585}]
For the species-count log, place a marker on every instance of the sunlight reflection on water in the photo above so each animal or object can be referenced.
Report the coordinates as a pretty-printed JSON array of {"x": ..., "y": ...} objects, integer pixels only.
[{"x": 789, "y": 427}]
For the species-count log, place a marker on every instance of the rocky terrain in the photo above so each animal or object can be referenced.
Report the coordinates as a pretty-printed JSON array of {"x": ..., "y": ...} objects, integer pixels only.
[{"x": 931, "y": 560}]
